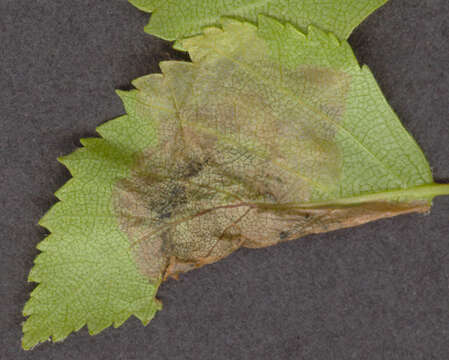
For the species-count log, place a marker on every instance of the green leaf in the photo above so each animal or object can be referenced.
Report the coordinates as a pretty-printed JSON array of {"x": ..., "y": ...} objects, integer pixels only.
[
  {"x": 267, "y": 136},
  {"x": 177, "y": 19},
  {"x": 86, "y": 271}
]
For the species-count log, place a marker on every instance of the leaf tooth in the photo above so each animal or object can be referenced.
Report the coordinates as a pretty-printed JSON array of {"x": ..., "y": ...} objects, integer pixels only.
[
  {"x": 28, "y": 341},
  {"x": 148, "y": 82},
  {"x": 111, "y": 130},
  {"x": 39, "y": 259},
  {"x": 229, "y": 23},
  {"x": 270, "y": 27},
  {"x": 315, "y": 34},
  {"x": 177, "y": 45},
  {"x": 46, "y": 243},
  {"x": 52, "y": 217},
  {"x": 34, "y": 275},
  {"x": 295, "y": 33},
  {"x": 79, "y": 324},
  {"x": 33, "y": 335},
  {"x": 180, "y": 69},
  {"x": 145, "y": 316},
  {"x": 62, "y": 333},
  {"x": 144, "y": 5},
  {"x": 91, "y": 141},
  {"x": 66, "y": 188},
  {"x": 129, "y": 100},
  {"x": 121, "y": 318},
  {"x": 97, "y": 325},
  {"x": 28, "y": 309},
  {"x": 71, "y": 161}
]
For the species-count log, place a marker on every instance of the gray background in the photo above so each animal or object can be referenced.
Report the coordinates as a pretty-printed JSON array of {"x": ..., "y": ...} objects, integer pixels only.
[{"x": 380, "y": 291}]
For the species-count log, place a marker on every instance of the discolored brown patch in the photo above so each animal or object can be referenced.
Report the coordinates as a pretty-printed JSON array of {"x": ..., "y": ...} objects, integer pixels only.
[
  {"x": 177, "y": 220},
  {"x": 232, "y": 170}
]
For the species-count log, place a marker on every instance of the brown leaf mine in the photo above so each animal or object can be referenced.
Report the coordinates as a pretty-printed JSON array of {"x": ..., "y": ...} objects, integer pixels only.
[
  {"x": 176, "y": 224},
  {"x": 232, "y": 171}
]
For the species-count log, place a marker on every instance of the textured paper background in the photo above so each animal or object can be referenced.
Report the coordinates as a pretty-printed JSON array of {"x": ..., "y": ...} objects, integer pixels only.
[{"x": 380, "y": 291}]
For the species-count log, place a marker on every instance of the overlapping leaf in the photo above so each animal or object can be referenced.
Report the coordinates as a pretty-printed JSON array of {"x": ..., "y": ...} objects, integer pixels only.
[{"x": 177, "y": 19}]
